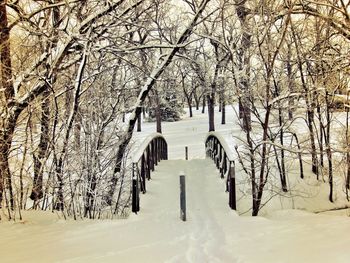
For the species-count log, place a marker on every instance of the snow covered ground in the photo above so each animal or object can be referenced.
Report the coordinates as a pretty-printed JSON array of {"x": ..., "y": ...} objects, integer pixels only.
[{"x": 212, "y": 233}]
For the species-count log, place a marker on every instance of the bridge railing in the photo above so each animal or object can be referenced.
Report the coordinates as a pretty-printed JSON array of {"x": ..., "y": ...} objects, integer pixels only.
[
  {"x": 153, "y": 149},
  {"x": 217, "y": 149}
]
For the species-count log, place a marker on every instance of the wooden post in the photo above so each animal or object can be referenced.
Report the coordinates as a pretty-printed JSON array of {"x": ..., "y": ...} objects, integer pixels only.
[
  {"x": 143, "y": 174},
  {"x": 182, "y": 198},
  {"x": 166, "y": 150},
  {"x": 135, "y": 192},
  {"x": 186, "y": 153},
  {"x": 224, "y": 164},
  {"x": 159, "y": 151},
  {"x": 161, "y": 147},
  {"x": 148, "y": 162},
  {"x": 232, "y": 189},
  {"x": 154, "y": 146},
  {"x": 220, "y": 160},
  {"x": 152, "y": 156}
]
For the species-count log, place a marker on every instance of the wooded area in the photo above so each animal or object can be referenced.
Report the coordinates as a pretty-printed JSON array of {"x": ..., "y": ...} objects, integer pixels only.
[{"x": 76, "y": 76}]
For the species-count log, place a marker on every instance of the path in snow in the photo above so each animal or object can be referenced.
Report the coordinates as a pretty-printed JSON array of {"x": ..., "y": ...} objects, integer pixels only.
[{"x": 202, "y": 234}]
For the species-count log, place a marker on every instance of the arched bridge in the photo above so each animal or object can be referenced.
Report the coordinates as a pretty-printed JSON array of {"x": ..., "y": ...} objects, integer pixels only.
[{"x": 154, "y": 150}]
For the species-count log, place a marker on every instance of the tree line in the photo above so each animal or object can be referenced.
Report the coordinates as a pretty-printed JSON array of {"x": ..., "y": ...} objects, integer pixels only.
[{"x": 77, "y": 75}]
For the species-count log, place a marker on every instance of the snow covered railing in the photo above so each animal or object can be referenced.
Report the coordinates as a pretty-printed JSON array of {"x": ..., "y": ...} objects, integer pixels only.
[
  {"x": 153, "y": 149},
  {"x": 217, "y": 149}
]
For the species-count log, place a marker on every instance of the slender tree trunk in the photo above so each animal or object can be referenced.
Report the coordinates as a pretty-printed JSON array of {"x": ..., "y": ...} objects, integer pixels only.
[
  {"x": 22, "y": 202},
  {"x": 321, "y": 132},
  {"x": 158, "y": 115},
  {"x": 190, "y": 109},
  {"x": 281, "y": 135},
  {"x": 40, "y": 157},
  {"x": 189, "y": 103},
  {"x": 244, "y": 64},
  {"x": 309, "y": 110},
  {"x": 223, "y": 112},
  {"x": 77, "y": 131},
  {"x": 290, "y": 83},
  {"x": 299, "y": 156},
  {"x": 211, "y": 112},
  {"x": 196, "y": 99},
  {"x": 59, "y": 163},
  {"x": 5, "y": 174},
  {"x": 264, "y": 161},
  {"x": 203, "y": 104},
  {"x": 283, "y": 168},
  {"x": 328, "y": 148}
]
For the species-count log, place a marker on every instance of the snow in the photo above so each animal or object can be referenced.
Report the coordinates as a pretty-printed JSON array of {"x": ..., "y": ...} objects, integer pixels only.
[{"x": 212, "y": 233}]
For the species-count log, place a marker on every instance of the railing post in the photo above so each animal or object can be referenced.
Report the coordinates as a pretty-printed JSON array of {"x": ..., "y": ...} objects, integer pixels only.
[
  {"x": 206, "y": 148},
  {"x": 142, "y": 173},
  {"x": 152, "y": 156},
  {"x": 148, "y": 163},
  {"x": 232, "y": 188},
  {"x": 155, "y": 159},
  {"x": 224, "y": 164},
  {"x": 135, "y": 191},
  {"x": 166, "y": 150},
  {"x": 220, "y": 155},
  {"x": 161, "y": 143},
  {"x": 182, "y": 197},
  {"x": 159, "y": 149},
  {"x": 217, "y": 155}
]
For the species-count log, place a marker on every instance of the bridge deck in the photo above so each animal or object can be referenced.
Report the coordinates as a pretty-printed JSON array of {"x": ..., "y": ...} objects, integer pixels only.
[{"x": 198, "y": 239}]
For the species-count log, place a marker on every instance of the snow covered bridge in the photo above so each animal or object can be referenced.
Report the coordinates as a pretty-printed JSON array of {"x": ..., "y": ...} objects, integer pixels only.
[{"x": 154, "y": 148}]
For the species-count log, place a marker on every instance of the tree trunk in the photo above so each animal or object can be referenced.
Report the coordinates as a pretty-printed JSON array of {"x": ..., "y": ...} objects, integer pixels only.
[
  {"x": 244, "y": 64},
  {"x": 40, "y": 157},
  {"x": 299, "y": 156},
  {"x": 211, "y": 112},
  {"x": 5, "y": 174},
  {"x": 77, "y": 131},
  {"x": 8, "y": 122},
  {"x": 190, "y": 109},
  {"x": 309, "y": 110},
  {"x": 281, "y": 135},
  {"x": 158, "y": 116},
  {"x": 264, "y": 161},
  {"x": 203, "y": 104},
  {"x": 283, "y": 168},
  {"x": 223, "y": 112},
  {"x": 189, "y": 103},
  {"x": 290, "y": 83},
  {"x": 328, "y": 149},
  {"x": 196, "y": 99},
  {"x": 59, "y": 163}
]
